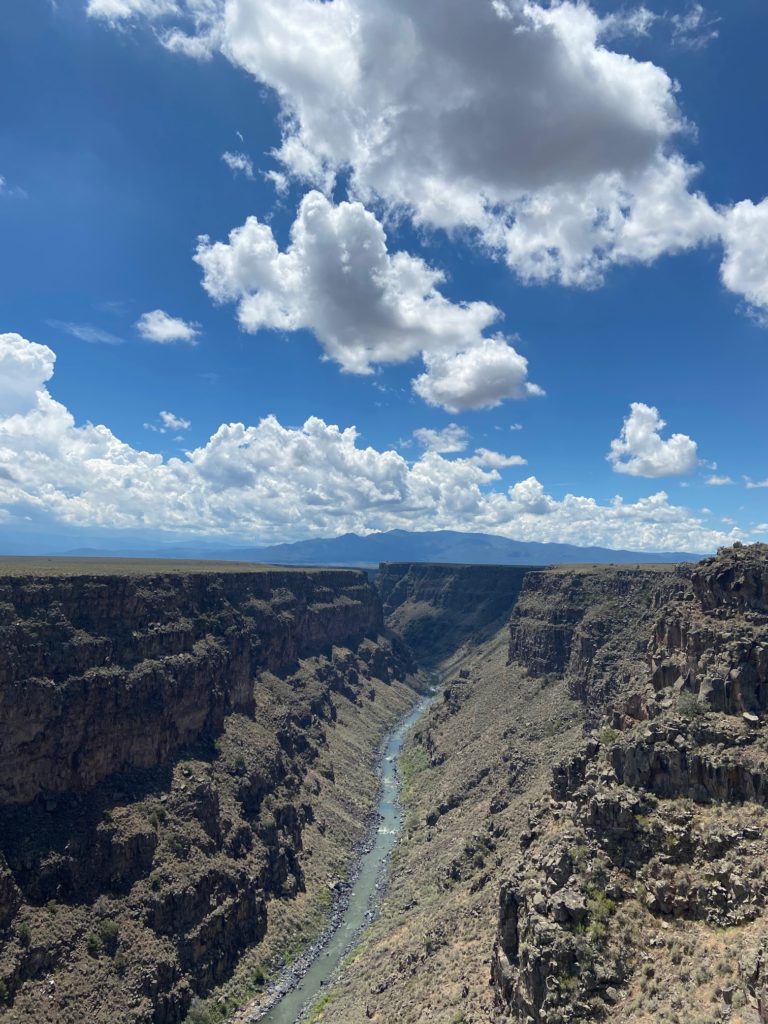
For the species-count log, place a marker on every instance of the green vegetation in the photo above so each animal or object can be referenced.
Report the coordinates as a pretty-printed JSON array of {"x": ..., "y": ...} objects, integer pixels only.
[
  {"x": 317, "y": 1011},
  {"x": 412, "y": 763},
  {"x": 600, "y": 908},
  {"x": 5, "y": 995},
  {"x": 108, "y": 933},
  {"x": 689, "y": 707},
  {"x": 609, "y": 736},
  {"x": 24, "y": 934},
  {"x": 93, "y": 944}
]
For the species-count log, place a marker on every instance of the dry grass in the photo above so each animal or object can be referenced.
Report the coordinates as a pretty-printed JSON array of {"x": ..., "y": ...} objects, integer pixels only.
[{"x": 37, "y": 566}]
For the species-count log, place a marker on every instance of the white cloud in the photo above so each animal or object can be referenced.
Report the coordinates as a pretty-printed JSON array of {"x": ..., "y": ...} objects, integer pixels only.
[
  {"x": 495, "y": 460},
  {"x": 25, "y": 367},
  {"x": 480, "y": 377},
  {"x": 11, "y": 191},
  {"x": 86, "y": 332},
  {"x": 452, "y": 438},
  {"x": 753, "y": 485},
  {"x": 169, "y": 422},
  {"x": 745, "y": 267},
  {"x": 271, "y": 482},
  {"x": 640, "y": 450},
  {"x": 637, "y": 21},
  {"x": 718, "y": 481},
  {"x": 366, "y": 307},
  {"x": 694, "y": 28},
  {"x": 238, "y": 163},
  {"x": 164, "y": 329},
  {"x": 116, "y": 10},
  {"x": 512, "y": 118}
]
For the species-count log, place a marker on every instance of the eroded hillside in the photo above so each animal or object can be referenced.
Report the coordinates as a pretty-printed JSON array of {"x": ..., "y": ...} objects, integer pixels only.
[
  {"x": 642, "y": 890},
  {"x": 628, "y": 866},
  {"x": 186, "y": 764}
]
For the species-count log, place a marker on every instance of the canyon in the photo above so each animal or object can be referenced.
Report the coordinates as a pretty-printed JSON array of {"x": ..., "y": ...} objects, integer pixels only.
[{"x": 188, "y": 764}]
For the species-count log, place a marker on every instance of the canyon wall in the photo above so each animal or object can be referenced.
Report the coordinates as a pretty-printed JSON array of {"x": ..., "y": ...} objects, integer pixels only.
[
  {"x": 184, "y": 756},
  {"x": 643, "y": 869},
  {"x": 103, "y": 673},
  {"x": 437, "y": 608},
  {"x": 591, "y": 624}
]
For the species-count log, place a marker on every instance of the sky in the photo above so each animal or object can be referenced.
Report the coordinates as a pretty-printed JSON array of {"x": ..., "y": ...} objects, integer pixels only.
[{"x": 277, "y": 269}]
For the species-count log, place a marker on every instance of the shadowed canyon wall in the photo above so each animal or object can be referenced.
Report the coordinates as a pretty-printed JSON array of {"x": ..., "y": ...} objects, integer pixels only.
[{"x": 184, "y": 755}]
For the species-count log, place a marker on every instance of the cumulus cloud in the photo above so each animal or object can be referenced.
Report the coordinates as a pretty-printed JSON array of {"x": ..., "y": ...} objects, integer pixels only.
[
  {"x": 640, "y": 450},
  {"x": 25, "y": 367},
  {"x": 480, "y": 377},
  {"x": 366, "y": 307},
  {"x": 495, "y": 460},
  {"x": 164, "y": 329},
  {"x": 238, "y": 163},
  {"x": 718, "y": 481},
  {"x": 512, "y": 118},
  {"x": 753, "y": 485},
  {"x": 272, "y": 482},
  {"x": 452, "y": 438},
  {"x": 745, "y": 267},
  {"x": 169, "y": 423}
]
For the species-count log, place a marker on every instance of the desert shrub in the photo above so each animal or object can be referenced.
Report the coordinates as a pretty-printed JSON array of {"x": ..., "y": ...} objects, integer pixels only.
[
  {"x": 24, "y": 934},
  {"x": 93, "y": 944},
  {"x": 688, "y": 705},
  {"x": 608, "y": 736},
  {"x": 108, "y": 932}
]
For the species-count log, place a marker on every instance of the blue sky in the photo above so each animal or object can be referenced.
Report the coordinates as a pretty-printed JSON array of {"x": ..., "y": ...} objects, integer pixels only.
[{"x": 553, "y": 184}]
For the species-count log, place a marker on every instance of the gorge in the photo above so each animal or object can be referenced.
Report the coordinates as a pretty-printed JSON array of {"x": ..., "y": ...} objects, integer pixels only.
[{"x": 188, "y": 764}]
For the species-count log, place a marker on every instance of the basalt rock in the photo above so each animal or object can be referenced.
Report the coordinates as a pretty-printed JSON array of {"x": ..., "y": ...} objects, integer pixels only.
[
  {"x": 102, "y": 674},
  {"x": 590, "y": 625},
  {"x": 659, "y": 819},
  {"x": 158, "y": 734}
]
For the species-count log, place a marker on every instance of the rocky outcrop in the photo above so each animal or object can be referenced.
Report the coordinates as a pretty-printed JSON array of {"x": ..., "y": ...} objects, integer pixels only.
[
  {"x": 163, "y": 754},
  {"x": 714, "y": 643},
  {"x": 437, "y": 608},
  {"x": 658, "y": 823},
  {"x": 591, "y": 625},
  {"x": 107, "y": 673}
]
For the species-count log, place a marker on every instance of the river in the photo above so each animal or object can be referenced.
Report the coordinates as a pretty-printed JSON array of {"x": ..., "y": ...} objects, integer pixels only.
[{"x": 366, "y": 890}]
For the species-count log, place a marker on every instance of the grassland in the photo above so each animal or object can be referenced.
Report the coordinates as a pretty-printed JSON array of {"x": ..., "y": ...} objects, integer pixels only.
[{"x": 38, "y": 565}]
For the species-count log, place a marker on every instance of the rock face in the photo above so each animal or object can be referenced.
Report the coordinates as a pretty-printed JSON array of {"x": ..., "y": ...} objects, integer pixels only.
[
  {"x": 654, "y": 840},
  {"x": 102, "y": 674},
  {"x": 164, "y": 754},
  {"x": 591, "y": 625},
  {"x": 436, "y": 608},
  {"x": 715, "y": 643}
]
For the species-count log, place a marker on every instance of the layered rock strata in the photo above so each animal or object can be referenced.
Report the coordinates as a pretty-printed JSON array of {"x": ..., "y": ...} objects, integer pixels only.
[
  {"x": 437, "y": 608},
  {"x": 590, "y": 625},
  {"x": 170, "y": 742},
  {"x": 642, "y": 892},
  {"x": 106, "y": 673}
]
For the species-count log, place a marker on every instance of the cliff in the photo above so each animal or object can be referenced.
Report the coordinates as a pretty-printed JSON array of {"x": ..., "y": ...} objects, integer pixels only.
[
  {"x": 185, "y": 754},
  {"x": 437, "y": 608},
  {"x": 591, "y": 624},
  {"x": 100, "y": 673},
  {"x": 641, "y": 891}
]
